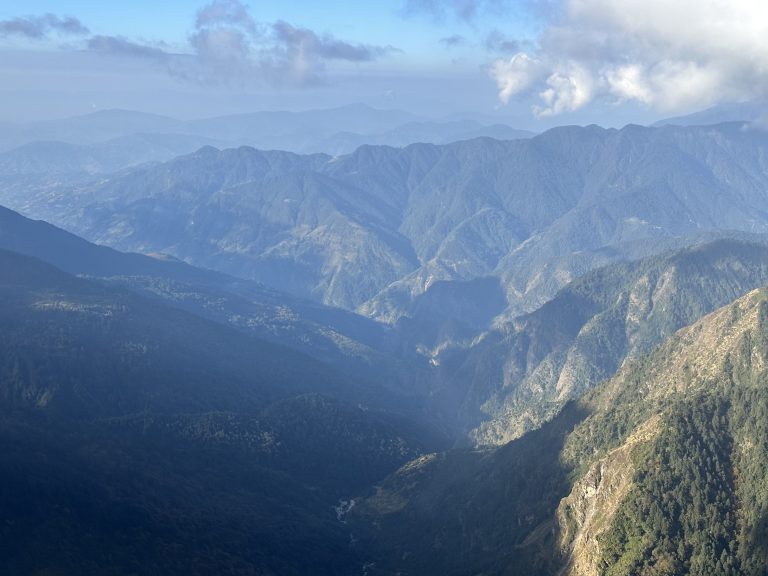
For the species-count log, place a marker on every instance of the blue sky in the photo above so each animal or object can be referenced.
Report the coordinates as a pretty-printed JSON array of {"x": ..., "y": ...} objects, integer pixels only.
[
  {"x": 535, "y": 63},
  {"x": 382, "y": 22},
  {"x": 416, "y": 35}
]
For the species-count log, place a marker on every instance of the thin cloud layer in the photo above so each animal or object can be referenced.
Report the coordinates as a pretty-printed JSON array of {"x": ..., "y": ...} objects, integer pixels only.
[
  {"x": 228, "y": 46},
  {"x": 117, "y": 45},
  {"x": 223, "y": 12},
  {"x": 666, "y": 55},
  {"x": 498, "y": 43},
  {"x": 302, "y": 42},
  {"x": 40, "y": 27},
  {"x": 453, "y": 41},
  {"x": 465, "y": 10}
]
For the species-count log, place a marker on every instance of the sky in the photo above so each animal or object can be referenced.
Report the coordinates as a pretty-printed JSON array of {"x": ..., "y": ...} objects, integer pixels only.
[{"x": 531, "y": 63}]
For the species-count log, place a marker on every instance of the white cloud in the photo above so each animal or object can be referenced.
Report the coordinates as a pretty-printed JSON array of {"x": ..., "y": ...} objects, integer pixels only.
[
  {"x": 629, "y": 83},
  {"x": 515, "y": 75},
  {"x": 668, "y": 54},
  {"x": 228, "y": 46},
  {"x": 566, "y": 91}
]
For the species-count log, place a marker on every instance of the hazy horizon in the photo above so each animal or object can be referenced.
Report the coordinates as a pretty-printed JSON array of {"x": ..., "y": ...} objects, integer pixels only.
[{"x": 529, "y": 64}]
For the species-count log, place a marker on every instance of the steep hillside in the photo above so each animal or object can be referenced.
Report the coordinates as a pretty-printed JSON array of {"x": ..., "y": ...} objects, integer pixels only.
[
  {"x": 140, "y": 438},
  {"x": 366, "y": 348},
  {"x": 660, "y": 470},
  {"x": 522, "y": 373},
  {"x": 107, "y": 339}
]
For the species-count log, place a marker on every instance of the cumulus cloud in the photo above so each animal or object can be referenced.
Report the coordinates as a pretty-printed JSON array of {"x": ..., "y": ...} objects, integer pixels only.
[
  {"x": 40, "y": 27},
  {"x": 568, "y": 89},
  {"x": 516, "y": 75},
  {"x": 667, "y": 55},
  {"x": 223, "y": 41}
]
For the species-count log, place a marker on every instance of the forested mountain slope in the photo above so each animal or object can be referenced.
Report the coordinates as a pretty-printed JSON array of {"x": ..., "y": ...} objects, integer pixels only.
[
  {"x": 523, "y": 372},
  {"x": 352, "y": 343},
  {"x": 660, "y": 470},
  {"x": 138, "y": 437}
]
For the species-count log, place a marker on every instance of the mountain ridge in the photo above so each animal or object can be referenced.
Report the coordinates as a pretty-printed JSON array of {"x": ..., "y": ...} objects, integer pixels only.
[
  {"x": 525, "y": 370},
  {"x": 334, "y": 130},
  {"x": 520, "y": 210}
]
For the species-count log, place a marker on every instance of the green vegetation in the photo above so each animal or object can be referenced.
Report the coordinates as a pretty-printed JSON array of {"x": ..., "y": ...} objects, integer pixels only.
[
  {"x": 581, "y": 337},
  {"x": 681, "y": 513},
  {"x": 699, "y": 501},
  {"x": 469, "y": 511},
  {"x": 140, "y": 439},
  {"x": 695, "y": 496}
]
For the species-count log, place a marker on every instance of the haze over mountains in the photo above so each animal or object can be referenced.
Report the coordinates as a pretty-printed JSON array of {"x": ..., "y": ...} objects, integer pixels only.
[
  {"x": 749, "y": 111},
  {"x": 330, "y": 334},
  {"x": 373, "y": 230},
  {"x": 107, "y": 140},
  {"x": 393, "y": 288},
  {"x": 534, "y": 354}
]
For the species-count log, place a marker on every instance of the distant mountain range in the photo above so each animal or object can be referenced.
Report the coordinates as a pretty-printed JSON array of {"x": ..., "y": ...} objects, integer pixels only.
[
  {"x": 376, "y": 230},
  {"x": 52, "y": 158},
  {"x": 751, "y": 111},
  {"x": 109, "y": 140}
]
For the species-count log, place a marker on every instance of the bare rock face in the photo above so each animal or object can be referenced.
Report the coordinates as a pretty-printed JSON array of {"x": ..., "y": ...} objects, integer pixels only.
[
  {"x": 594, "y": 325},
  {"x": 626, "y": 473},
  {"x": 588, "y": 510}
]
